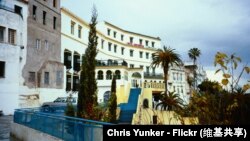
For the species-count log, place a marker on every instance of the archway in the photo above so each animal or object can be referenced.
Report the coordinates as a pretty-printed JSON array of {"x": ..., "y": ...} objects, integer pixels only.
[{"x": 136, "y": 80}]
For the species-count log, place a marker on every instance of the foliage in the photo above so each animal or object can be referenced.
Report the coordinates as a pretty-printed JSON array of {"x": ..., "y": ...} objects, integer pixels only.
[
  {"x": 218, "y": 106},
  {"x": 170, "y": 101},
  {"x": 88, "y": 85},
  {"x": 193, "y": 54},
  {"x": 69, "y": 111},
  {"x": 165, "y": 58},
  {"x": 228, "y": 65},
  {"x": 112, "y": 105},
  {"x": 212, "y": 87}
]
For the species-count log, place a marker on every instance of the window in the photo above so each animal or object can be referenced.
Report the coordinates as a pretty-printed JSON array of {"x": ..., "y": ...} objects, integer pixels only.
[
  {"x": 153, "y": 70},
  {"x": 18, "y": 9},
  {"x": 140, "y": 41},
  {"x": 38, "y": 43},
  {"x": 54, "y": 3},
  {"x": 118, "y": 74},
  {"x": 146, "y": 42},
  {"x": 102, "y": 43},
  {"x": 46, "y": 77},
  {"x": 147, "y": 55},
  {"x": 122, "y": 50},
  {"x": 32, "y": 76},
  {"x": 34, "y": 12},
  {"x": 2, "y": 34},
  {"x": 114, "y": 34},
  {"x": 181, "y": 77},
  {"x": 131, "y": 53},
  {"x": 108, "y": 31},
  {"x": 72, "y": 27},
  {"x": 115, "y": 47},
  {"x": 147, "y": 69},
  {"x": 108, "y": 75},
  {"x": 54, "y": 23},
  {"x": 131, "y": 65},
  {"x": 58, "y": 77},
  {"x": 122, "y": 36},
  {"x": 141, "y": 66},
  {"x": 153, "y": 44},
  {"x": 44, "y": 17},
  {"x": 173, "y": 76},
  {"x": 100, "y": 75},
  {"x": 79, "y": 31},
  {"x": 2, "y": 69},
  {"x": 46, "y": 45},
  {"x": 110, "y": 44},
  {"x": 131, "y": 39},
  {"x": 12, "y": 36},
  {"x": 141, "y": 54}
]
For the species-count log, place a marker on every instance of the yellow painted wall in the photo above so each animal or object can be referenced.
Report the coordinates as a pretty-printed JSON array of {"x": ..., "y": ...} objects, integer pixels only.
[
  {"x": 122, "y": 93},
  {"x": 145, "y": 116}
]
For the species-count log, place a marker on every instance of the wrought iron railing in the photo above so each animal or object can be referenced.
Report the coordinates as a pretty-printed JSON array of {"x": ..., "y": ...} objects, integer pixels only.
[{"x": 153, "y": 75}]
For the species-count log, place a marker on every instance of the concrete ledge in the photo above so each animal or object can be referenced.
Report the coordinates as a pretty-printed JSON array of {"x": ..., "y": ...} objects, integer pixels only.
[{"x": 24, "y": 133}]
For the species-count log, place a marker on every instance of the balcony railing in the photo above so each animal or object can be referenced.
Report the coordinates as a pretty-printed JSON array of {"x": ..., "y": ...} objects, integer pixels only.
[
  {"x": 154, "y": 85},
  {"x": 153, "y": 75},
  {"x": 111, "y": 63}
]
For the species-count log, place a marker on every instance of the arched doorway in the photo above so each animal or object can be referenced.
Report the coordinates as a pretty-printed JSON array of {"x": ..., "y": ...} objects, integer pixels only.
[
  {"x": 136, "y": 80},
  {"x": 106, "y": 97}
]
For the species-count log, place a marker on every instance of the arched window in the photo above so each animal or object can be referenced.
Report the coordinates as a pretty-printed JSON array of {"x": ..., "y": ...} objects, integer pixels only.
[
  {"x": 106, "y": 96},
  {"x": 115, "y": 62},
  {"x": 100, "y": 75},
  {"x": 109, "y": 62},
  {"x": 145, "y": 103},
  {"x": 118, "y": 74},
  {"x": 108, "y": 75}
]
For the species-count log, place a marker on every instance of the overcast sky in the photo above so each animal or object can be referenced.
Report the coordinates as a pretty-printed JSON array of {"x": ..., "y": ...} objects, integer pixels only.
[{"x": 210, "y": 25}]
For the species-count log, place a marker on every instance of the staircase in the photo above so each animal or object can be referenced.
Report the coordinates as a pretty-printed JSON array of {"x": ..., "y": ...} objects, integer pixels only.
[{"x": 128, "y": 109}]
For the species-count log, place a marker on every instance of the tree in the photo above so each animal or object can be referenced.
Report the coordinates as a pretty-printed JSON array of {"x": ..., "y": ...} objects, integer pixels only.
[
  {"x": 88, "y": 85},
  {"x": 170, "y": 101},
  {"x": 208, "y": 86},
  {"x": 193, "y": 54},
  {"x": 166, "y": 58},
  {"x": 82, "y": 94},
  {"x": 228, "y": 65},
  {"x": 112, "y": 102}
]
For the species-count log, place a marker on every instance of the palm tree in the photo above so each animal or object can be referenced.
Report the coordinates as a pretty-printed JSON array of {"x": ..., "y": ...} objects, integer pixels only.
[
  {"x": 170, "y": 101},
  {"x": 165, "y": 58},
  {"x": 193, "y": 54}
]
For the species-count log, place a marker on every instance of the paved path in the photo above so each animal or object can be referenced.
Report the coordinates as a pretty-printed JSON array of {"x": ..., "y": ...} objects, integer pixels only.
[{"x": 5, "y": 128}]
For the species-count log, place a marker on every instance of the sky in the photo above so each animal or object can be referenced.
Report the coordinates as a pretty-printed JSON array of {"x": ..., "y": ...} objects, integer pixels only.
[{"x": 210, "y": 25}]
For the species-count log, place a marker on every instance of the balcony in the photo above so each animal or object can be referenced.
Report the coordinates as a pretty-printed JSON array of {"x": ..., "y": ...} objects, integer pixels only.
[
  {"x": 153, "y": 75},
  {"x": 17, "y": 10},
  {"x": 111, "y": 63}
]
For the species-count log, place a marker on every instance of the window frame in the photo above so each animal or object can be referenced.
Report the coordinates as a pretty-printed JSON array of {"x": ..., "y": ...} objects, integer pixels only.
[{"x": 3, "y": 67}]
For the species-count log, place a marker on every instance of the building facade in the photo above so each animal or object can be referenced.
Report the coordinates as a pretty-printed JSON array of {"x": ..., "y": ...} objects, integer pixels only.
[
  {"x": 43, "y": 70},
  {"x": 121, "y": 53},
  {"x": 13, "y": 37}
]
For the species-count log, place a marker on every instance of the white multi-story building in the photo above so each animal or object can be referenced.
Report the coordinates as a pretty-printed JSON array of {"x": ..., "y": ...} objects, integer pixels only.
[
  {"x": 13, "y": 41},
  {"x": 126, "y": 54}
]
